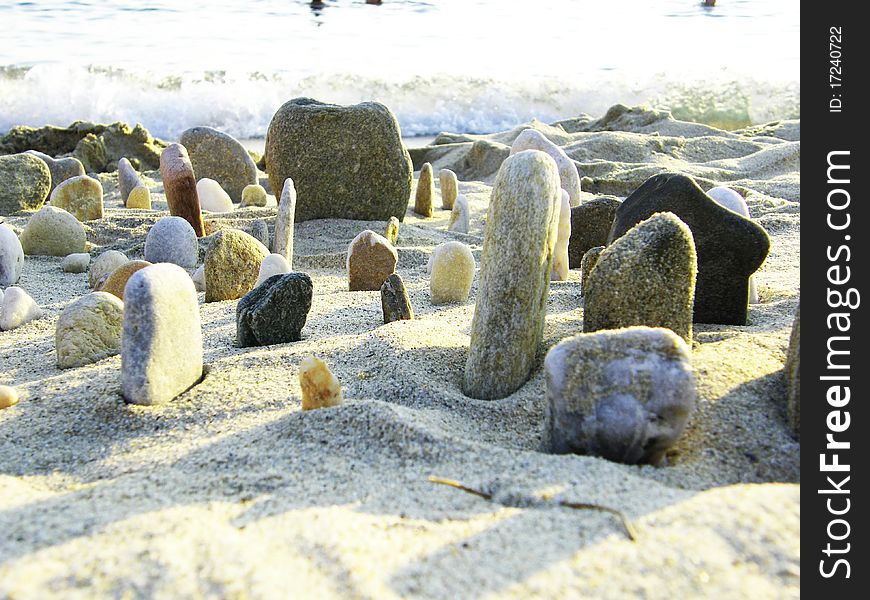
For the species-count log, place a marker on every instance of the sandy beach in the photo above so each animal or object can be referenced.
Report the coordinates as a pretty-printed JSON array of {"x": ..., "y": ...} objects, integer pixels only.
[{"x": 231, "y": 491}]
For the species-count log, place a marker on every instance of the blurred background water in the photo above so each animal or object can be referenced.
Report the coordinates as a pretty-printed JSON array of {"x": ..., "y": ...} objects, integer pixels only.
[{"x": 472, "y": 66}]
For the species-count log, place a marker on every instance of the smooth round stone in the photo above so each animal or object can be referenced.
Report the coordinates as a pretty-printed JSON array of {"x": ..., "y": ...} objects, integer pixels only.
[
  {"x": 392, "y": 230},
  {"x": 452, "y": 269},
  {"x": 793, "y": 376},
  {"x": 81, "y": 196},
  {"x": 532, "y": 139},
  {"x": 17, "y": 309},
  {"x": 254, "y": 195},
  {"x": 8, "y": 396},
  {"x": 218, "y": 156},
  {"x": 260, "y": 232},
  {"x": 275, "y": 311},
  {"x": 731, "y": 200},
  {"x": 61, "y": 168},
  {"x": 370, "y": 260},
  {"x": 11, "y": 256},
  {"x": 172, "y": 240},
  {"x": 117, "y": 280},
  {"x": 76, "y": 263},
  {"x": 625, "y": 395},
  {"x": 140, "y": 198},
  {"x": 320, "y": 388},
  {"x": 53, "y": 232},
  {"x": 25, "y": 182},
  {"x": 449, "y": 188},
  {"x": 104, "y": 264},
  {"x": 274, "y": 264},
  {"x": 425, "y": 189},
  {"x": 212, "y": 196},
  {"x": 394, "y": 300},
  {"x": 459, "y": 215},
  {"x": 563, "y": 237},
  {"x": 198, "y": 278},
  {"x": 179, "y": 185},
  {"x": 89, "y": 330},
  {"x": 232, "y": 265}
]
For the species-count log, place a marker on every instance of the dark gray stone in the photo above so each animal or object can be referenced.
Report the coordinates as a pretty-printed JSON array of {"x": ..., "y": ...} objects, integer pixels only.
[
  {"x": 275, "y": 311},
  {"x": 590, "y": 259},
  {"x": 590, "y": 226},
  {"x": 219, "y": 156},
  {"x": 128, "y": 179},
  {"x": 730, "y": 247},
  {"x": 347, "y": 162},
  {"x": 395, "y": 301},
  {"x": 260, "y": 232}
]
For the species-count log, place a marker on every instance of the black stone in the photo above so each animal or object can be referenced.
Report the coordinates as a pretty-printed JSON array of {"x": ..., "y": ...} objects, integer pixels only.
[
  {"x": 275, "y": 311},
  {"x": 730, "y": 247},
  {"x": 394, "y": 300},
  {"x": 590, "y": 226}
]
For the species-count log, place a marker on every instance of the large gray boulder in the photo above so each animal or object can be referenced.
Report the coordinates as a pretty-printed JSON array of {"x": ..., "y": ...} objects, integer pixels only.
[{"x": 216, "y": 155}]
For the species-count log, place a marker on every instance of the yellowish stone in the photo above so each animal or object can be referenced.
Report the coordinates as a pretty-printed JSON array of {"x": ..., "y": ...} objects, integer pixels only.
[{"x": 320, "y": 388}]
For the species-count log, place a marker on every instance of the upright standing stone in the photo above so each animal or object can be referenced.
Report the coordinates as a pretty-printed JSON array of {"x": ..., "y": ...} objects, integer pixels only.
[
  {"x": 394, "y": 300},
  {"x": 425, "y": 186},
  {"x": 646, "y": 277},
  {"x": 590, "y": 226},
  {"x": 731, "y": 200},
  {"x": 275, "y": 311},
  {"x": 61, "y": 168},
  {"x": 285, "y": 222},
  {"x": 11, "y": 256},
  {"x": 370, "y": 260},
  {"x": 451, "y": 273},
  {"x": 449, "y": 188},
  {"x": 590, "y": 259},
  {"x": 793, "y": 375},
  {"x": 459, "y": 215},
  {"x": 161, "y": 344},
  {"x": 532, "y": 139},
  {"x": 320, "y": 388},
  {"x": 219, "y": 156},
  {"x": 517, "y": 257},
  {"x": 625, "y": 395},
  {"x": 88, "y": 330},
  {"x": 560, "y": 254},
  {"x": 139, "y": 198},
  {"x": 179, "y": 184},
  {"x": 347, "y": 162},
  {"x": 128, "y": 179},
  {"x": 730, "y": 247},
  {"x": 260, "y": 232},
  {"x": 232, "y": 264},
  {"x": 392, "y": 231},
  {"x": 53, "y": 232},
  {"x": 172, "y": 240},
  {"x": 25, "y": 181}
]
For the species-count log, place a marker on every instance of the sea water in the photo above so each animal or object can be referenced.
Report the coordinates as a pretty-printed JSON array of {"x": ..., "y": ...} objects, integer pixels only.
[{"x": 473, "y": 66}]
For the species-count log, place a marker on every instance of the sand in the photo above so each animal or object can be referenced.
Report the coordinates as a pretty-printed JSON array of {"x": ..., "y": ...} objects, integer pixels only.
[{"x": 232, "y": 491}]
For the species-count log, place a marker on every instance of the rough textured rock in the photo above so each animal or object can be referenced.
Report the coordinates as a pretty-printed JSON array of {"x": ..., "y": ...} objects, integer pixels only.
[
  {"x": 451, "y": 273},
  {"x": 88, "y": 330},
  {"x": 425, "y": 189},
  {"x": 212, "y": 197},
  {"x": 104, "y": 264},
  {"x": 532, "y": 139},
  {"x": 793, "y": 375},
  {"x": 161, "y": 344},
  {"x": 370, "y": 260},
  {"x": 220, "y": 157},
  {"x": 53, "y": 232},
  {"x": 25, "y": 181},
  {"x": 392, "y": 230},
  {"x": 624, "y": 395},
  {"x": 275, "y": 311},
  {"x": 80, "y": 196},
  {"x": 254, "y": 195},
  {"x": 517, "y": 257},
  {"x": 285, "y": 222},
  {"x": 274, "y": 264},
  {"x": 590, "y": 259},
  {"x": 459, "y": 215},
  {"x": 139, "y": 197},
  {"x": 482, "y": 160},
  {"x": 179, "y": 185},
  {"x": 260, "y": 232},
  {"x": 730, "y": 247},
  {"x": 61, "y": 169},
  {"x": 11, "y": 256},
  {"x": 346, "y": 161},
  {"x": 17, "y": 308},
  {"x": 76, "y": 263},
  {"x": 394, "y": 300},
  {"x": 734, "y": 201},
  {"x": 172, "y": 240},
  {"x": 320, "y": 388},
  {"x": 232, "y": 264},
  {"x": 8, "y": 396},
  {"x": 449, "y": 188},
  {"x": 128, "y": 179},
  {"x": 646, "y": 277},
  {"x": 117, "y": 280},
  {"x": 563, "y": 237},
  {"x": 590, "y": 226}
]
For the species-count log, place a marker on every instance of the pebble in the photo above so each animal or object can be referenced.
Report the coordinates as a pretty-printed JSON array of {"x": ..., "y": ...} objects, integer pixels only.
[
  {"x": 260, "y": 232},
  {"x": 532, "y": 139},
  {"x": 8, "y": 396},
  {"x": 117, "y": 280},
  {"x": 11, "y": 256},
  {"x": 89, "y": 330},
  {"x": 646, "y": 277},
  {"x": 104, "y": 264},
  {"x": 25, "y": 182},
  {"x": 452, "y": 269},
  {"x": 320, "y": 388},
  {"x": 179, "y": 185},
  {"x": 61, "y": 168},
  {"x": 274, "y": 264},
  {"x": 254, "y": 195},
  {"x": 275, "y": 311},
  {"x": 198, "y": 278},
  {"x": 139, "y": 198},
  {"x": 590, "y": 259},
  {"x": 563, "y": 236},
  {"x": 128, "y": 180},
  {"x": 624, "y": 395},
  {"x": 232, "y": 265},
  {"x": 590, "y": 226},
  {"x": 394, "y": 300},
  {"x": 370, "y": 260},
  {"x": 449, "y": 188},
  {"x": 425, "y": 186},
  {"x": 212, "y": 196},
  {"x": 459, "y": 215},
  {"x": 219, "y": 156},
  {"x": 731, "y": 200},
  {"x": 793, "y": 376},
  {"x": 392, "y": 231},
  {"x": 76, "y": 263},
  {"x": 514, "y": 275},
  {"x": 172, "y": 240},
  {"x": 17, "y": 309},
  {"x": 81, "y": 196},
  {"x": 53, "y": 232},
  {"x": 730, "y": 247},
  {"x": 285, "y": 222},
  {"x": 161, "y": 341}
]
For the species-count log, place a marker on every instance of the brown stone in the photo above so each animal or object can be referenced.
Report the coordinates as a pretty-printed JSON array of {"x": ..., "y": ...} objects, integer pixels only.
[
  {"x": 179, "y": 185},
  {"x": 425, "y": 185},
  {"x": 117, "y": 280},
  {"x": 370, "y": 260},
  {"x": 394, "y": 300}
]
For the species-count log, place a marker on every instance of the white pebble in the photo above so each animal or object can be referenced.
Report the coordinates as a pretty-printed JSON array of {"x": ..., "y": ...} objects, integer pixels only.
[
  {"x": 18, "y": 308},
  {"x": 212, "y": 196}
]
